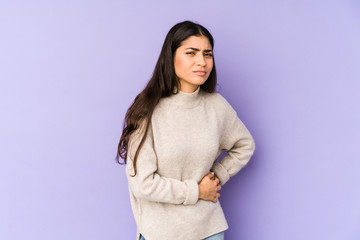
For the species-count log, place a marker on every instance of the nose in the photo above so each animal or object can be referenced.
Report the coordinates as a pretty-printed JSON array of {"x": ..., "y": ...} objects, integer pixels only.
[{"x": 200, "y": 60}]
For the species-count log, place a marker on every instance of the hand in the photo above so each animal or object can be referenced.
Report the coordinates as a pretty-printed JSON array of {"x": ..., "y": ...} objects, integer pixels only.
[
  {"x": 215, "y": 177},
  {"x": 208, "y": 188}
]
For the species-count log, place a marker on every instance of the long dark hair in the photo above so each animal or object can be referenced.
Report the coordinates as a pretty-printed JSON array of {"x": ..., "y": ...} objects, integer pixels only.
[{"x": 162, "y": 84}]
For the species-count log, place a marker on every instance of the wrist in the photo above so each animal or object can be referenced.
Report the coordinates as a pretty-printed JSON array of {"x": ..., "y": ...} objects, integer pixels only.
[{"x": 200, "y": 193}]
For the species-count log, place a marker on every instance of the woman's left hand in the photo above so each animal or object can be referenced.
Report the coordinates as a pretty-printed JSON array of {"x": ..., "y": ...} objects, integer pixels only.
[{"x": 215, "y": 177}]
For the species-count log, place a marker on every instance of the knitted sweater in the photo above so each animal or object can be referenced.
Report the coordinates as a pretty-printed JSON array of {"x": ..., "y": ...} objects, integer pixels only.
[{"x": 187, "y": 133}]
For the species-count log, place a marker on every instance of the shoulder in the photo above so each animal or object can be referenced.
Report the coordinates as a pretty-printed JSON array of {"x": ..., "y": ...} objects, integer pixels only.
[
  {"x": 137, "y": 135},
  {"x": 218, "y": 101}
]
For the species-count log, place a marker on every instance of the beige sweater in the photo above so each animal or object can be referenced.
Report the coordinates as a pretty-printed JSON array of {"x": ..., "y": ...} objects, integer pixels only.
[{"x": 187, "y": 133}]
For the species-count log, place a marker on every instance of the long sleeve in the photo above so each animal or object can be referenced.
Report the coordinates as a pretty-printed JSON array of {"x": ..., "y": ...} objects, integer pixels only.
[
  {"x": 237, "y": 141},
  {"x": 185, "y": 135},
  {"x": 147, "y": 183}
]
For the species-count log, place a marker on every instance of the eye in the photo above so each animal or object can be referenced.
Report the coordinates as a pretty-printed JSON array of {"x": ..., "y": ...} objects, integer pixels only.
[
  {"x": 208, "y": 54},
  {"x": 190, "y": 53}
]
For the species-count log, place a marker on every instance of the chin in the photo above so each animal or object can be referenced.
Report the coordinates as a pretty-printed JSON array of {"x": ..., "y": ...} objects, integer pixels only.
[
  {"x": 196, "y": 81},
  {"x": 199, "y": 81}
]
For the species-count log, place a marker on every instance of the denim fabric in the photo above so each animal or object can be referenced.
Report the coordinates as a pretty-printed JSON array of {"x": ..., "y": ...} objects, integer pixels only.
[{"x": 217, "y": 236}]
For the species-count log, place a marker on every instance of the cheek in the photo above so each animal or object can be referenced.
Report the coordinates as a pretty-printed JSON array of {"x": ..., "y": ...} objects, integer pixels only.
[
  {"x": 180, "y": 64},
  {"x": 210, "y": 65},
  {"x": 177, "y": 63}
]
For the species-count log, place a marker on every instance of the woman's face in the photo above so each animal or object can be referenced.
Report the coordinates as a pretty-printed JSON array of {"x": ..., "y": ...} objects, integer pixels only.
[{"x": 193, "y": 62}]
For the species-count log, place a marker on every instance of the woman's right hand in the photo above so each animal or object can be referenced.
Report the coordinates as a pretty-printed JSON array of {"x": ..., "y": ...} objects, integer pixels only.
[{"x": 208, "y": 188}]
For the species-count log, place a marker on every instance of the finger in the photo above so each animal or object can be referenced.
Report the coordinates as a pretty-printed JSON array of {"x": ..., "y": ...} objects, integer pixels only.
[
  {"x": 217, "y": 195},
  {"x": 210, "y": 175},
  {"x": 219, "y": 187}
]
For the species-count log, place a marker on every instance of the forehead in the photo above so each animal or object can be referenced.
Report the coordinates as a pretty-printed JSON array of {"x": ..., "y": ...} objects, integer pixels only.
[{"x": 199, "y": 42}]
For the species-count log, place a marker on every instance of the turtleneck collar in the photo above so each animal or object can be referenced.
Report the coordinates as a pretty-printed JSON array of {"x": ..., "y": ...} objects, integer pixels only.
[{"x": 187, "y": 100}]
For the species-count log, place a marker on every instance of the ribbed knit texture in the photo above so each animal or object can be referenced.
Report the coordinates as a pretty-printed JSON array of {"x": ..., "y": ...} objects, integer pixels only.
[{"x": 188, "y": 131}]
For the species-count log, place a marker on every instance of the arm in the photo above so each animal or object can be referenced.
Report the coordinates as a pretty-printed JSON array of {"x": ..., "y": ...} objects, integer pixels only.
[
  {"x": 147, "y": 183},
  {"x": 237, "y": 141}
]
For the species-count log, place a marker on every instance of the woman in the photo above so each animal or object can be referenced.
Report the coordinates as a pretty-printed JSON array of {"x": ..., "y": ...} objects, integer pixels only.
[{"x": 173, "y": 133}]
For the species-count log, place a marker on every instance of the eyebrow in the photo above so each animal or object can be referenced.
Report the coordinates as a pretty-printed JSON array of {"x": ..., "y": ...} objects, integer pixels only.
[{"x": 196, "y": 49}]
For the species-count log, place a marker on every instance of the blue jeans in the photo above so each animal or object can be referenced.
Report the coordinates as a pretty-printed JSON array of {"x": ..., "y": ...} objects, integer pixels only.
[{"x": 217, "y": 236}]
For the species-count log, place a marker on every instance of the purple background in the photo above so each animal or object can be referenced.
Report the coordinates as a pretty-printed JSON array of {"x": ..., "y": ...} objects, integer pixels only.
[{"x": 70, "y": 69}]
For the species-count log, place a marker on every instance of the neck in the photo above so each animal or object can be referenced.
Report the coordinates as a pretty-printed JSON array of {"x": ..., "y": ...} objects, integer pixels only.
[
  {"x": 184, "y": 99},
  {"x": 188, "y": 88}
]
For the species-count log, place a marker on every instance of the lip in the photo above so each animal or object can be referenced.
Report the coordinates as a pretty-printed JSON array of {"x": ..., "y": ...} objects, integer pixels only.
[{"x": 200, "y": 73}]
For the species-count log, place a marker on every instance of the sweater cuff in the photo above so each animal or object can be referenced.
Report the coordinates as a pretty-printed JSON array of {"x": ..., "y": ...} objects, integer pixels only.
[
  {"x": 220, "y": 172},
  {"x": 192, "y": 192}
]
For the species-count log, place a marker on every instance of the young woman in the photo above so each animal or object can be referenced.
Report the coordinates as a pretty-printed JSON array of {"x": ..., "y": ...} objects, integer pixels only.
[{"x": 172, "y": 135}]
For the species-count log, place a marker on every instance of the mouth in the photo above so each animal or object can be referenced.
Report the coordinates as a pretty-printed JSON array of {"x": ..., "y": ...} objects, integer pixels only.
[{"x": 200, "y": 73}]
